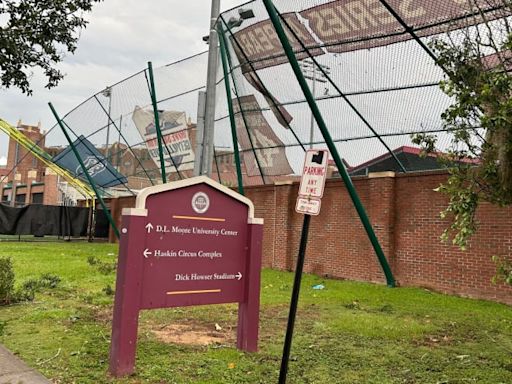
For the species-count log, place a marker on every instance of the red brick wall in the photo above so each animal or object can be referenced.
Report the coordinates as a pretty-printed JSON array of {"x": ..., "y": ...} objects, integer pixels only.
[
  {"x": 422, "y": 260},
  {"x": 404, "y": 211},
  {"x": 51, "y": 190}
]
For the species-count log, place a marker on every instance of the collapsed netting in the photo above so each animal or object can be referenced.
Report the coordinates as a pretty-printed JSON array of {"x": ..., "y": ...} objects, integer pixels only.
[
  {"x": 367, "y": 62},
  {"x": 119, "y": 122}
]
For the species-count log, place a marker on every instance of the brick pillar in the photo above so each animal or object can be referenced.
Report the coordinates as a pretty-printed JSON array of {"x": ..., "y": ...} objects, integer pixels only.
[
  {"x": 283, "y": 259},
  {"x": 113, "y": 205},
  {"x": 381, "y": 210}
]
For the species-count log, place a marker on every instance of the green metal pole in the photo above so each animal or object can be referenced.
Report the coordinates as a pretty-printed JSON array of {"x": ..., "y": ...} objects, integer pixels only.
[
  {"x": 235, "y": 87},
  {"x": 86, "y": 171},
  {"x": 231, "y": 113},
  {"x": 330, "y": 144},
  {"x": 157, "y": 122}
]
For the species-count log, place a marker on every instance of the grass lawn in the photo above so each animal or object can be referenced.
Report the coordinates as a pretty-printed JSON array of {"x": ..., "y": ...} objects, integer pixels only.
[{"x": 346, "y": 333}]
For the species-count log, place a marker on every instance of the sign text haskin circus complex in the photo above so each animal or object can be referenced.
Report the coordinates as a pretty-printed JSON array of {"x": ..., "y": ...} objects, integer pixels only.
[{"x": 190, "y": 242}]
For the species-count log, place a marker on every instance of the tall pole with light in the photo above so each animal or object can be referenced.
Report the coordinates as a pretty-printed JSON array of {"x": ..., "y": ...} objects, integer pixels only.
[
  {"x": 206, "y": 135},
  {"x": 211, "y": 80},
  {"x": 107, "y": 92}
]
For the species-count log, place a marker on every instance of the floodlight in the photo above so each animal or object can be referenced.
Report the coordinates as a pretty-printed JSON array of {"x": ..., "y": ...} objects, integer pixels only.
[
  {"x": 245, "y": 13},
  {"x": 234, "y": 22}
]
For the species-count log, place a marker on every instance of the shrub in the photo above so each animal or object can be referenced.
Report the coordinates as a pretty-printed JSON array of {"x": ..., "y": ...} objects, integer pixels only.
[
  {"x": 105, "y": 268},
  {"x": 6, "y": 281}
]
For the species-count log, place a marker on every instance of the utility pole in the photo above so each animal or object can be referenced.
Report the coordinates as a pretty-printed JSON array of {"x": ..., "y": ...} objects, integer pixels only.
[
  {"x": 209, "y": 118},
  {"x": 107, "y": 92}
]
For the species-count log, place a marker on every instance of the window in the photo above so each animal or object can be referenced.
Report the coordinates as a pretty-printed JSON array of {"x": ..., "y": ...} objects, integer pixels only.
[
  {"x": 37, "y": 198},
  {"x": 20, "y": 199}
]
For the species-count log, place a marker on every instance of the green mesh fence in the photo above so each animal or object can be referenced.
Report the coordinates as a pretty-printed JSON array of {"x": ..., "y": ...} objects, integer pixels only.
[{"x": 367, "y": 63}]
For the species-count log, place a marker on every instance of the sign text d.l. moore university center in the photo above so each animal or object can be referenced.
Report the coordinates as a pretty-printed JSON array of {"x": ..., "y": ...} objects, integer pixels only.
[{"x": 190, "y": 242}]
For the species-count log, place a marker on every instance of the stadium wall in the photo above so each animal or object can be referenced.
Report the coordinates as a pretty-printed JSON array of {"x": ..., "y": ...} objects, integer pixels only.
[{"x": 404, "y": 211}]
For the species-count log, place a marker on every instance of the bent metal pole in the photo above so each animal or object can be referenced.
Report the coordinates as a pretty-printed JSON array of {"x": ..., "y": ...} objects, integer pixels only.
[{"x": 328, "y": 140}]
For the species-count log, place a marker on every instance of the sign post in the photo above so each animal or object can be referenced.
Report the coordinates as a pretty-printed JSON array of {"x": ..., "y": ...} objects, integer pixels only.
[
  {"x": 311, "y": 190},
  {"x": 190, "y": 242}
]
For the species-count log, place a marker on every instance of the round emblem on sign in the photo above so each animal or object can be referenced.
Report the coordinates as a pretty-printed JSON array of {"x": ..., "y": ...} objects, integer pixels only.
[{"x": 200, "y": 202}]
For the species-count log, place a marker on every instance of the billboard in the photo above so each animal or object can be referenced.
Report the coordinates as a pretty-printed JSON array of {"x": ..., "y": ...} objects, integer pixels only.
[
  {"x": 349, "y": 25},
  {"x": 176, "y": 144},
  {"x": 254, "y": 131}
]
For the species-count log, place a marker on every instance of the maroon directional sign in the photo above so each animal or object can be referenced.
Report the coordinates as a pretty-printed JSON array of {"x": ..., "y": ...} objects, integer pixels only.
[{"x": 191, "y": 242}]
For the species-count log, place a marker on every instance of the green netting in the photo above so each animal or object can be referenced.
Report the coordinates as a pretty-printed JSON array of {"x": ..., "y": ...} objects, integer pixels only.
[{"x": 367, "y": 61}]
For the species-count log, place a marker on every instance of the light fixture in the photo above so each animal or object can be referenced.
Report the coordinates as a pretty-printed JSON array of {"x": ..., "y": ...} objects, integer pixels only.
[
  {"x": 107, "y": 92},
  {"x": 235, "y": 22},
  {"x": 245, "y": 13}
]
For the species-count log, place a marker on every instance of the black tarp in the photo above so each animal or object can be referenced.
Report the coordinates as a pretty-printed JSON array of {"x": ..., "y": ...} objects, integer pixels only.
[
  {"x": 101, "y": 224},
  {"x": 40, "y": 220}
]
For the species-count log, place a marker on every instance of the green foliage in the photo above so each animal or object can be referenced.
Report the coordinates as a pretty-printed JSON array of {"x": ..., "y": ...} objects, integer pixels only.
[
  {"x": 6, "y": 280},
  {"x": 10, "y": 295},
  {"x": 34, "y": 33},
  {"x": 46, "y": 280},
  {"x": 479, "y": 120},
  {"x": 350, "y": 332},
  {"x": 108, "y": 290},
  {"x": 104, "y": 267},
  {"x": 504, "y": 270}
]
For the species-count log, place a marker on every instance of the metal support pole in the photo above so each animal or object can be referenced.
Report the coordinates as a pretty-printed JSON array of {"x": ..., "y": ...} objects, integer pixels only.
[
  {"x": 217, "y": 166},
  {"x": 198, "y": 164},
  {"x": 294, "y": 300},
  {"x": 124, "y": 139},
  {"x": 85, "y": 170},
  {"x": 107, "y": 149},
  {"x": 253, "y": 70},
  {"x": 157, "y": 122},
  {"x": 118, "y": 157},
  {"x": 312, "y": 123},
  {"x": 231, "y": 113},
  {"x": 211, "y": 80},
  {"x": 255, "y": 154},
  {"x": 330, "y": 144}
]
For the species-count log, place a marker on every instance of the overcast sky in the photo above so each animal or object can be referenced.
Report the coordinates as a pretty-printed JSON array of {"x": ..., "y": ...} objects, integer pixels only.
[{"x": 122, "y": 36}]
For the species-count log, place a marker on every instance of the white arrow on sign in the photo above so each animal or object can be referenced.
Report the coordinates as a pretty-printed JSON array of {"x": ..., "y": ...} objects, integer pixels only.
[
  {"x": 238, "y": 276},
  {"x": 149, "y": 227},
  {"x": 147, "y": 253}
]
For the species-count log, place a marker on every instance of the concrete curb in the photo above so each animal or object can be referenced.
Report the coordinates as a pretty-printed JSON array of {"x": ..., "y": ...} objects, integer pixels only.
[{"x": 15, "y": 371}]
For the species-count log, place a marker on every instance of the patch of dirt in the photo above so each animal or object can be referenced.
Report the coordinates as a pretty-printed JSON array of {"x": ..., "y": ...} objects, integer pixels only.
[
  {"x": 103, "y": 315},
  {"x": 435, "y": 341},
  {"x": 192, "y": 334}
]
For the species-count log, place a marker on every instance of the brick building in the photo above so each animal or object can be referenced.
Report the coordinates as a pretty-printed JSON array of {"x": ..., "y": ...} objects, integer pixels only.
[{"x": 25, "y": 180}]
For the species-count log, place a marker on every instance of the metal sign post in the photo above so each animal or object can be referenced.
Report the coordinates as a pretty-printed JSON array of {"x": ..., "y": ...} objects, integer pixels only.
[{"x": 311, "y": 191}]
